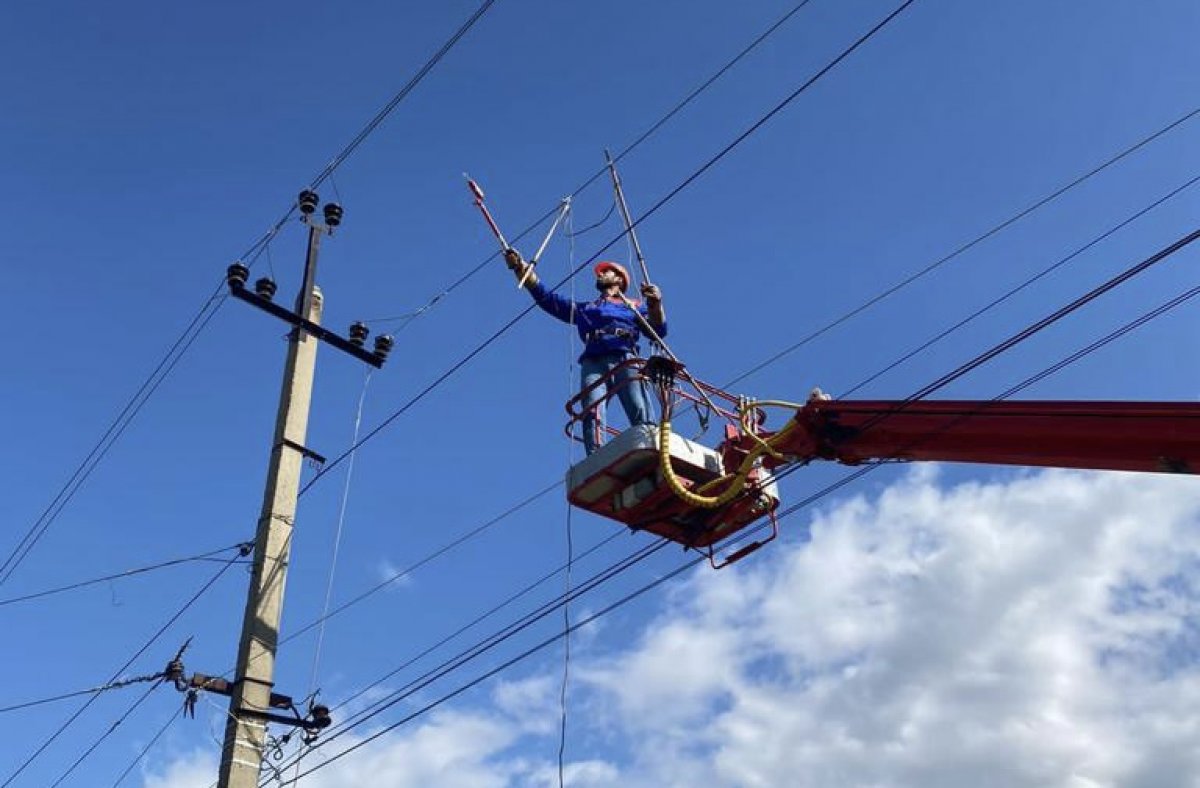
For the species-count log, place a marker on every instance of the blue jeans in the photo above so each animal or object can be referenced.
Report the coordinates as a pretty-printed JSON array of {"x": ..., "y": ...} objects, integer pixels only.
[{"x": 631, "y": 391}]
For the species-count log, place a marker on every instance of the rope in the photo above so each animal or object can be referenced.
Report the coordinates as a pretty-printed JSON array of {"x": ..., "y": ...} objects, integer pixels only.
[
  {"x": 567, "y": 579},
  {"x": 337, "y": 539},
  {"x": 654, "y": 209}
]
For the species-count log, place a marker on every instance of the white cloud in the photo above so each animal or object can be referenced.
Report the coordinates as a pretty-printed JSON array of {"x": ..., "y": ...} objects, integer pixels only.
[
  {"x": 1042, "y": 631},
  {"x": 1039, "y": 632}
]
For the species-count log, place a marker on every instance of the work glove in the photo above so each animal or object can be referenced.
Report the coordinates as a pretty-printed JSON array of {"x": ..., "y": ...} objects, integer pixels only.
[
  {"x": 651, "y": 293},
  {"x": 512, "y": 258}
]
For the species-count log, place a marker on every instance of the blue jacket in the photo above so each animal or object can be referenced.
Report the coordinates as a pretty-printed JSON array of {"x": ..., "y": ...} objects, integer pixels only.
[{"x": 605, "y": 325}]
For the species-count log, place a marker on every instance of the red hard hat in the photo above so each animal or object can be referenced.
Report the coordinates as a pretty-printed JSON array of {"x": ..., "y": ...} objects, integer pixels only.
[{"x": 609, "y": 265}]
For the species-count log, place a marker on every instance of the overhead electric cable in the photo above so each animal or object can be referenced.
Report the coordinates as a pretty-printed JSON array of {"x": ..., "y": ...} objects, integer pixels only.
[
  {"x": 676, "y": 109},
  {"x": 437, "y": 553},
  {"x": 117, "y": 674},
  {"x": 1055, "y": 316},
  {"x": 1013, "y": 291},
  {"x": 154, "y": 740},
  {"x": 511, "y": 598},
  {"x": 117, "y": 576},
  {"x": 200, "y": 321},
  {"x": 111, "y": 729},
  {"x": 650, "y": 212},
  {"x": 491, "y": 642},
  {"x": 110, "y": 437},
  {"x": 963, "y": 248},
  {"x": 1142, "y": 320}
]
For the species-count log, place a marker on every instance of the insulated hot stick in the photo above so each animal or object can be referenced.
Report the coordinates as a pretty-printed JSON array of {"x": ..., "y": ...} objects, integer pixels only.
[
  {"x": 487, "y": 215},
  {"x": 563, "y": 207},
  {"x": 637, "y": 247}
]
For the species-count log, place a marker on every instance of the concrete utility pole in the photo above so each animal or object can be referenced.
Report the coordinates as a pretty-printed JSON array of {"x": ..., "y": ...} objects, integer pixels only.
[{"x": 252, "y": 704}]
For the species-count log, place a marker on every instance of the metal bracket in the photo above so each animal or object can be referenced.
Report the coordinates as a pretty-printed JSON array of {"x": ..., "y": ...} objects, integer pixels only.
[
  {"x": 320, "y": 332},
  {"x": 317, "y": 459}
]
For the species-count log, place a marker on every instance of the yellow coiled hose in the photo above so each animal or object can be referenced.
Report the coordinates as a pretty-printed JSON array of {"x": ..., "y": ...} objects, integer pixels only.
[{"x": 736, "y": 481}]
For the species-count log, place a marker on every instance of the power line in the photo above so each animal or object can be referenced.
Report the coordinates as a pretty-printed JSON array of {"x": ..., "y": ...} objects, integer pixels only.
[
  {"x": 1008, "y": 344},
  {"x": 1026, "y": 283},
  {"x": 963, "y": 248},
  {"x": 111, "y": 729},
  {"x": 494, "y": 640},
  {"x": 437, "y": 553},
  {"x": 110, "y": 436},
  {"x": 652, "y": 210},
  {"x": 1055, "y": 316},
  {"x": 154, "y": 740},
  {"x": 200, "y": 321},
  {"x": 479, "y": 618},
  {"x": 402, "y": 94},
  {"x": 118, "y": 576},
  {"x": 829, "y": 489},
  {"x": 650, "y": 131},
  {"x": 152, "y": 640},
  {"x": 1056, "y": 265}
]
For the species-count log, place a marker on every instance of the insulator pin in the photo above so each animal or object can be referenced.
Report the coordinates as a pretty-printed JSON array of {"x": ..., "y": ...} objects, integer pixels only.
[
  {"x": 333, "y": 214},
  {"x": 383, "y": 346},
  {"x": 307, "y": 201},
  {"x": 265, "y": 287},
  {"x": 358, "y": 333},
  {"x": 236, "y": 275}
]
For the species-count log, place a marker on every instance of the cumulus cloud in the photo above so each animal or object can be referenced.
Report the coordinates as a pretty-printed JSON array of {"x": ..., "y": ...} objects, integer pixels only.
[{"x": 1039, "y": 631}]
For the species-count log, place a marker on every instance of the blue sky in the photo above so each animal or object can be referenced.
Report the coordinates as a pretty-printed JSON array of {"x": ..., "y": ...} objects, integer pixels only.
[{"x": 146, "y": 146}]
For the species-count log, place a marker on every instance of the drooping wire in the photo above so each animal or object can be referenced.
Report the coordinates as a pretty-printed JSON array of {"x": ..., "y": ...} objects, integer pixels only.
[
  {"x": 721, "y": 154},
  {"x": 116, "y": 675},
  {"x": 117, "y": 576},
  {"x": 337, "y": 541},
  {"x": 568, "y": 526},
  {"x": 341, "y": 519},
  {"x": 111, "y": 685}
]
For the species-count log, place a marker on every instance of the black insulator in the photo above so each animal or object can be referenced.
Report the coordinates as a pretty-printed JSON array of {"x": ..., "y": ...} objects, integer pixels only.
[
  {"x": 661, "y": 371},
  {"x": 333, "y": 214},
  {"x": 358, "y": 333},
  {"x": 308, "y": 201},
  {"x": 320, "y": 716},
  {"x": 236, "y": 275},
  {"x": 383, "y": 346},
  {"x": 265, "y": 287}
]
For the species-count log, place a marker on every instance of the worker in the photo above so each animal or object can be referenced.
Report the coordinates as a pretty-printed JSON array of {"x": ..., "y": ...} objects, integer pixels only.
[{"x": 610, "y": 332}]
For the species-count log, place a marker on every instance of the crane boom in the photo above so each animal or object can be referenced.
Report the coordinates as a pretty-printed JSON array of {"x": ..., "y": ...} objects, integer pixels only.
[
  {"x": 1120, "y": 436},
  {"x": 652, "y": 479}
]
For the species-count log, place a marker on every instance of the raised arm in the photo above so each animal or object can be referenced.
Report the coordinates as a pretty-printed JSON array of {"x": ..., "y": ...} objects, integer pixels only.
[{"x": 552, "y": 303}]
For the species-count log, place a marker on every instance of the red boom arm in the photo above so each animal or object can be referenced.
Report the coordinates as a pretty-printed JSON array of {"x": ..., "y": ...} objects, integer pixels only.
[{"x": 1121, "y": 436}]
